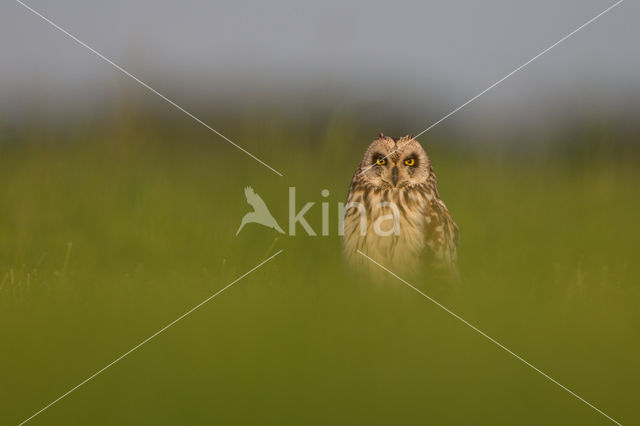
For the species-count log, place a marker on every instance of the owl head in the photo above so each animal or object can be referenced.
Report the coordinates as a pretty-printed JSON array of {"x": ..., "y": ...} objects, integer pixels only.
[{"x": 393, "y": 163}]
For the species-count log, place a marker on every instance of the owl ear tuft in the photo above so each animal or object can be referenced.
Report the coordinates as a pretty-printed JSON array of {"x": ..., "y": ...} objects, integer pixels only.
[
  {"x": 410, "y": 136},
  {"x": 381, "y": 135}
]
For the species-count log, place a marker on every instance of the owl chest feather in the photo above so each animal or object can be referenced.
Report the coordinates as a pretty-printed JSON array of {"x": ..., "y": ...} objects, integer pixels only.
[{"x": 393, "y": 229}]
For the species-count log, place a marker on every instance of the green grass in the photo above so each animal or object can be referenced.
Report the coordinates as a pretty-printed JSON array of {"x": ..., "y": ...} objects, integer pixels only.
[{"x": 109, "y": 232}]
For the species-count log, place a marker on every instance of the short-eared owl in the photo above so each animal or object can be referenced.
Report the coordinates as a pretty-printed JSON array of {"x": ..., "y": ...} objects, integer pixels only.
[{"x": 394, "y": 213}]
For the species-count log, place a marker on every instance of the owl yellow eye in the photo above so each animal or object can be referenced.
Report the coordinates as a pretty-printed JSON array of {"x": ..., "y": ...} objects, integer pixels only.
[
  {"x": 410, "y": 161},
  {"x": 381, "y": 161}
]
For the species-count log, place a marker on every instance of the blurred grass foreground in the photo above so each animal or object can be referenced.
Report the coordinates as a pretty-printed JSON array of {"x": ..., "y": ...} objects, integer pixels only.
[{"x": 110, "y": 230}]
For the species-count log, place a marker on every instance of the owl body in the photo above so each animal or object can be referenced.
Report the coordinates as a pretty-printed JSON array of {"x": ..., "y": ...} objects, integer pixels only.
[{"x": 394, "y": 213}]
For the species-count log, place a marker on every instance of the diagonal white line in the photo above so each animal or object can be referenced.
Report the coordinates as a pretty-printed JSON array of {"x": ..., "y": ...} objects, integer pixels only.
[
  {"x": 510, "y": 74},
  {"x": 491, "y": 339},
  {"x": 520, "y": 67},
  {"x": 149, "y": 338},
  {"x": 146, "y": 86}
]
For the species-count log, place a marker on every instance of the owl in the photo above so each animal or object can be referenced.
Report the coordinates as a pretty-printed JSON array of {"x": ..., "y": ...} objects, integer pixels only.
[{"x": 394, "y": 213}]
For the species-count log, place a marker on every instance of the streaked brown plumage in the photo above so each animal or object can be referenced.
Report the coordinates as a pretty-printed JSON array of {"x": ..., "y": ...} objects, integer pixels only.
[{"x": 395, "y": 187}]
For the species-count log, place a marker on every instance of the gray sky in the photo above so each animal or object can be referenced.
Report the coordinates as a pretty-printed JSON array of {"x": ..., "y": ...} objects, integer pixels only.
[{"x": 405, "y": 56}]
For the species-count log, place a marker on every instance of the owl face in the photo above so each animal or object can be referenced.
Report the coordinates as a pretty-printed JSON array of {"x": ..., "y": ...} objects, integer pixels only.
[{"x": 393, "y": 163}]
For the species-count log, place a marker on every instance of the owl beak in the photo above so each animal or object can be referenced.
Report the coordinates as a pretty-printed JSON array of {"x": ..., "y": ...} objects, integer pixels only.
[{"x": 394, "y": 176}]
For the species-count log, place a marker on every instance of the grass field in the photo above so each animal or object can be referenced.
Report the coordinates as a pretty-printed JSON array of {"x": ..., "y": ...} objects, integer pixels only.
[{"x": 109, "y": 232}]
